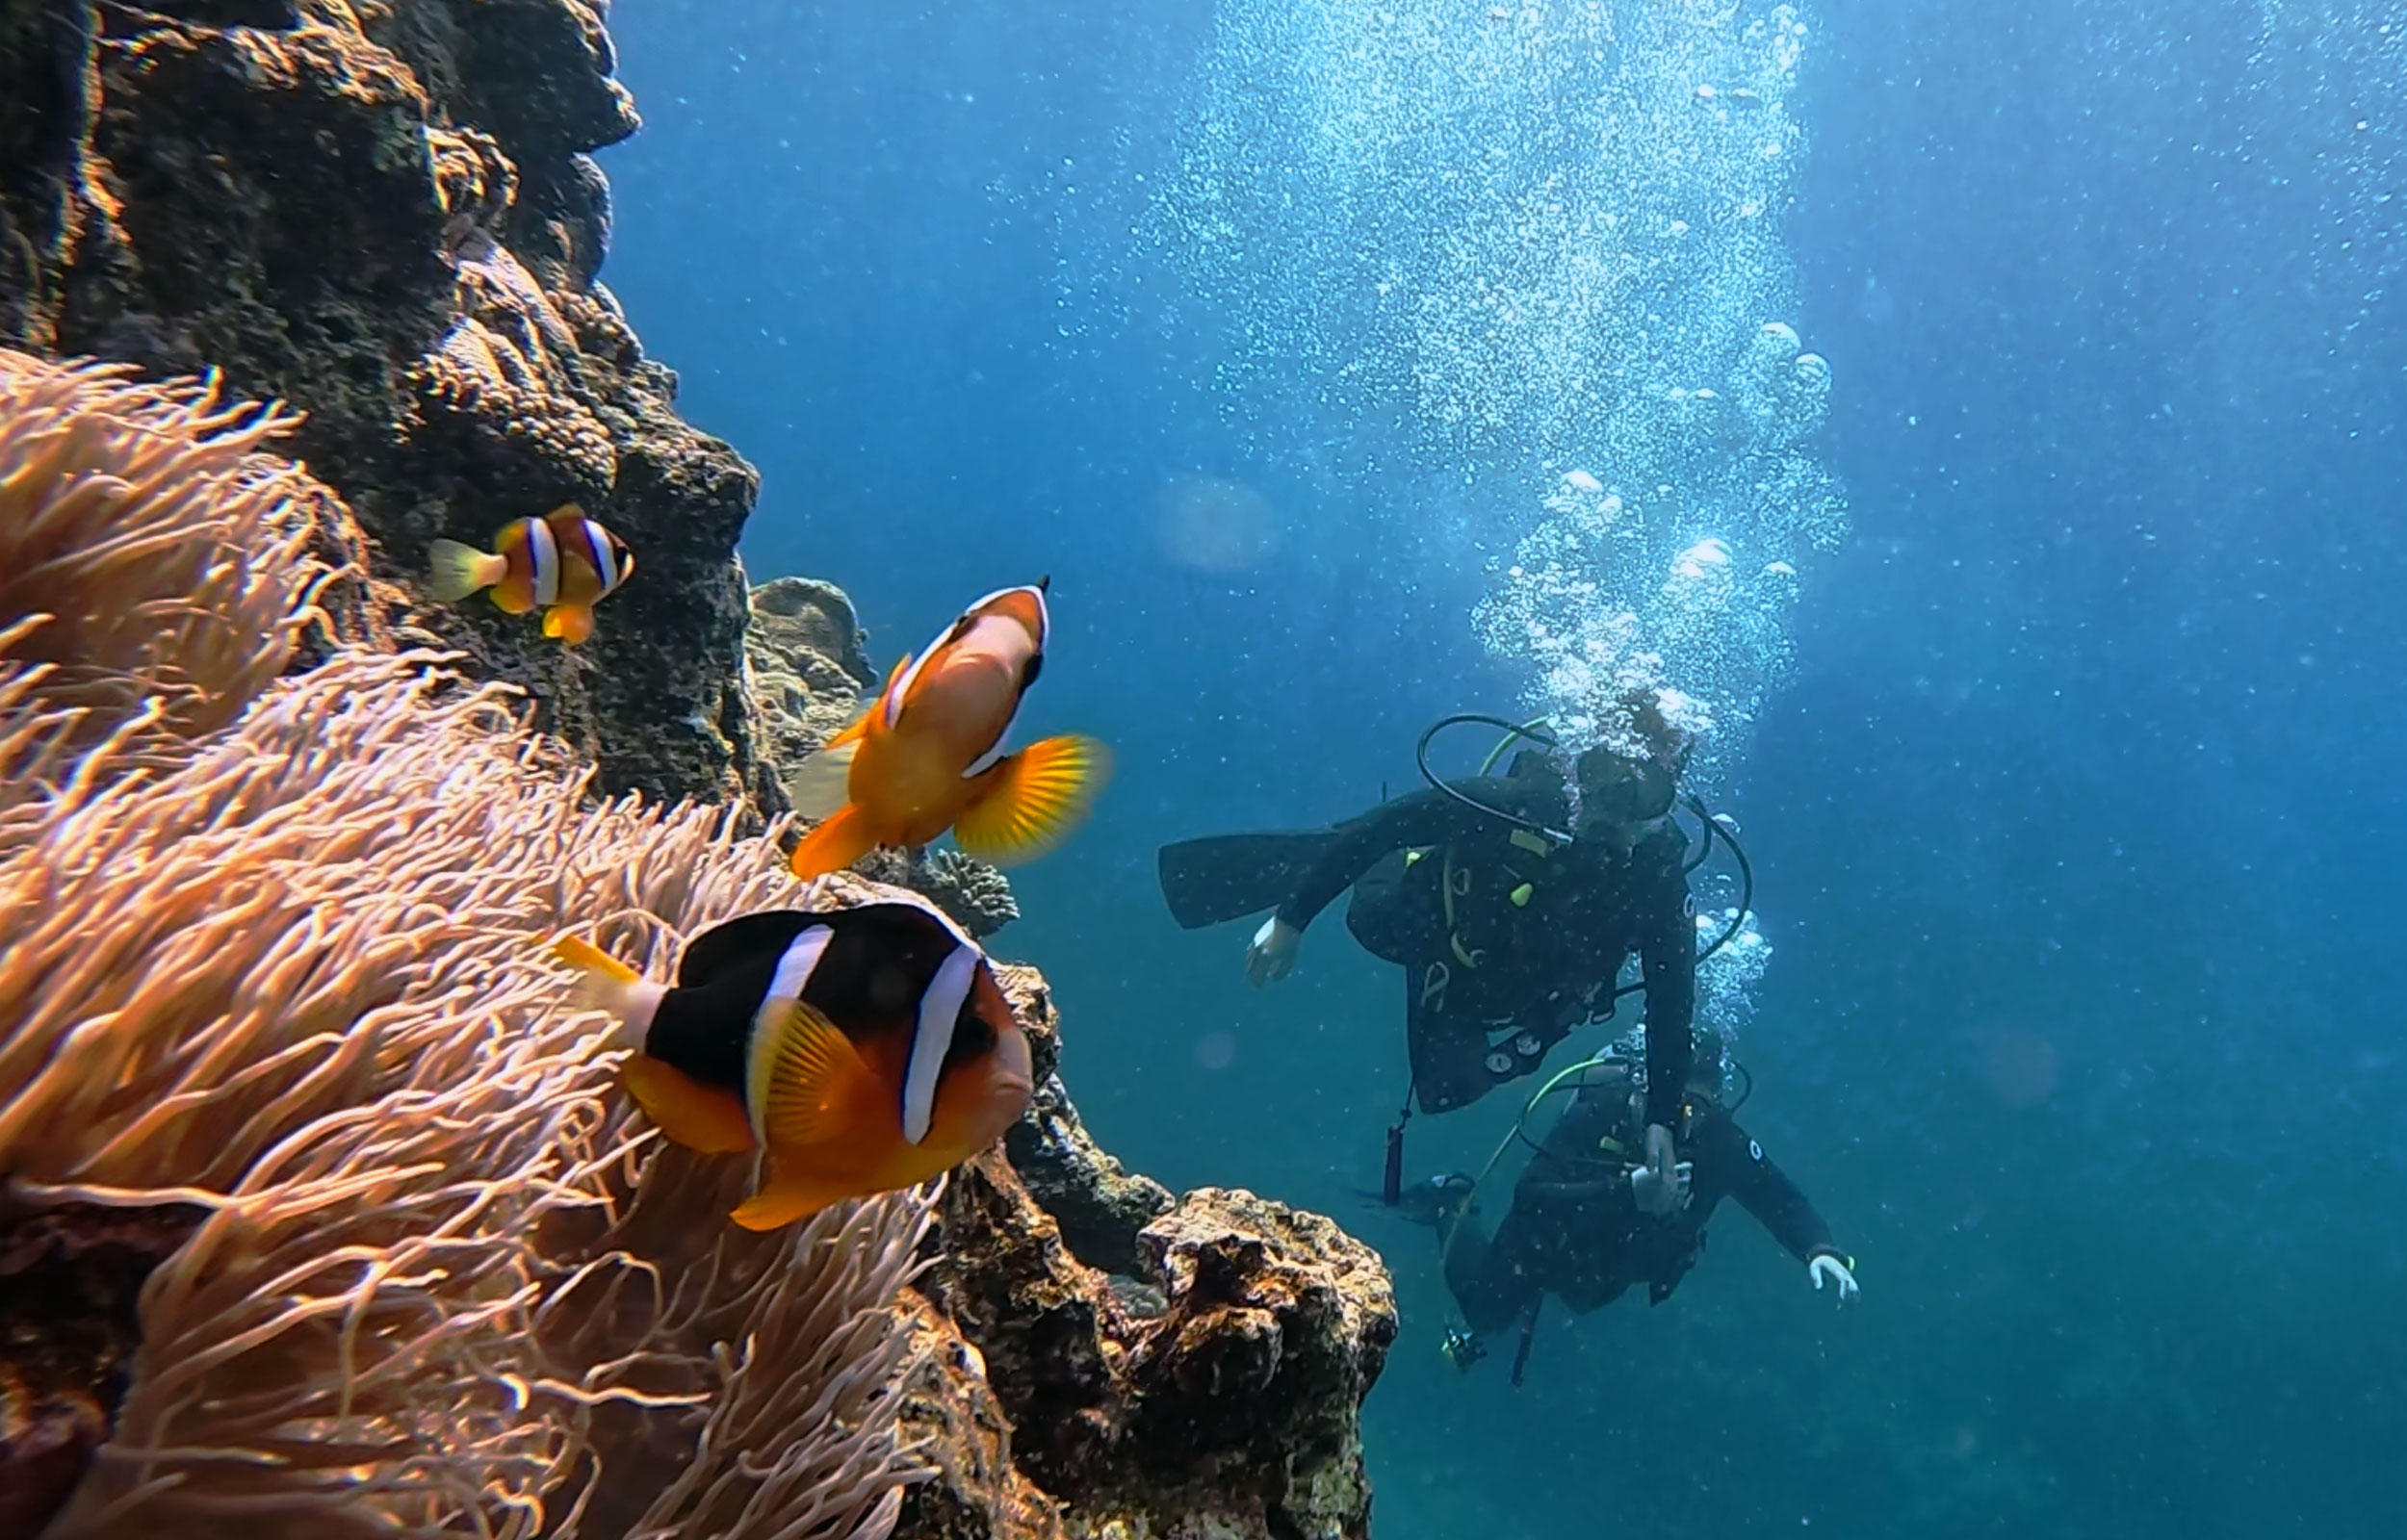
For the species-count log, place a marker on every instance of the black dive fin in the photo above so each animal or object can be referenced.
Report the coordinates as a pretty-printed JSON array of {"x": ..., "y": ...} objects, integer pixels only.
[{"x": 1228, "y": 877}]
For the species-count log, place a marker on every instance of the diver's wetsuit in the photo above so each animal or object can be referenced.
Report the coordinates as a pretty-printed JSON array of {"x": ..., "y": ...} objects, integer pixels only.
[
  {"x": 1575, "y": 1231},
  {"x": 1499, "y": 932}
]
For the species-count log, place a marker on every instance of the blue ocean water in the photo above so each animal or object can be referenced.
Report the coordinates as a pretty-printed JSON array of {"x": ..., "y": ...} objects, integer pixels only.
[{"x": 1271, "y": 332}]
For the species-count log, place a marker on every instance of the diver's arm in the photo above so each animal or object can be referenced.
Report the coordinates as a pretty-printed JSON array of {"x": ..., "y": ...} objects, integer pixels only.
[
  {"x": 1762, "y": 1189},
  {"x": 1425, "y": 817},
  {"x": 1667, "y": 956}
]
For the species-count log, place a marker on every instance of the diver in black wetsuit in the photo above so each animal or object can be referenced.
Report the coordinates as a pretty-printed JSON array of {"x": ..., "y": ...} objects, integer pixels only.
[
  {"x": 1575, "y": 1229},
  {"x": 1509, "y": 907}
]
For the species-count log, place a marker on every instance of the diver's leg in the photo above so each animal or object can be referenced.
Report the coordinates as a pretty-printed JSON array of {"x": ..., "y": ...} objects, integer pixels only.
[{"x": 1490, "y": 1280}]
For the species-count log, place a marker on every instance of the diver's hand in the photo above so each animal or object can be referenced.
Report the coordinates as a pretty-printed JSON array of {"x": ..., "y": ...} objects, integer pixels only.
[
  {"x": 1835, "y": 1270},
  {"x": 1272, "y": 952},
  {"x": 1661, "y": 1185}
]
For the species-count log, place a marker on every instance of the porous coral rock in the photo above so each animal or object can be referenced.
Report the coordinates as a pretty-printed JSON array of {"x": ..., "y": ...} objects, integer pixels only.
[
  {"x": 1231, "y": 1409},
  {"x": 385, "y": 214},
  {"x": 1100, "y": 1204},
  {"x": 951, "y": 1414}
]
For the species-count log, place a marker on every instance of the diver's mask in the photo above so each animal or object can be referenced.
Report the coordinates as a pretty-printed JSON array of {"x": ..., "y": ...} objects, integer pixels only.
[{"x": 1624, "y": 800}]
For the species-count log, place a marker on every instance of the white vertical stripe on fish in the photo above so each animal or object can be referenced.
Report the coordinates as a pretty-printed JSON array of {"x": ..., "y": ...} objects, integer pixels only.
[
  {"x": 902, "y": 683},
  {"x": 940, "y": 1012},
  {"x": 598, "y": 551},
  {"x": 545, "y": 552}
]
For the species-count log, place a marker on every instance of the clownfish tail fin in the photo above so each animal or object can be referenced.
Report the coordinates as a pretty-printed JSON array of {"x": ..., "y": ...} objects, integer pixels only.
[
  {"x": 603, "y": 982},
  {"x": 455, "y": 571}
]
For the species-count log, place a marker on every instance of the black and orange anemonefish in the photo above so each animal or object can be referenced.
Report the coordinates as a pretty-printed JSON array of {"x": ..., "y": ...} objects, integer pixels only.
[
  {"x": 861, "y": 1050},
  {"x": 927, "y": 755}
]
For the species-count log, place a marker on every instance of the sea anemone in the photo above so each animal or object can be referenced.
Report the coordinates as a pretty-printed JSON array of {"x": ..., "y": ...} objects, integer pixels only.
[{"x": 274, "y": 959}]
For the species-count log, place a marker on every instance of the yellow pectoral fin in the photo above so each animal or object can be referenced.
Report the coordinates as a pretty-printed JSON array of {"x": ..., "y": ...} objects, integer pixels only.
[
  {"x": 845, "y": 838},
  {"x": 570, "y": 623},
  {"x": 814, "y": 1087},
  {"x": 1030, "y": 802},
  {"x": 792, "y": 1192},
  {"x": 704, "y": 1119}
]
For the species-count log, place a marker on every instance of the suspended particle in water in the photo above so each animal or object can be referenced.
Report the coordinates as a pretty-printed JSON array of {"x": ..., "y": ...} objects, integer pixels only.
[
  {"x": 1215, "y": 526},
  {"x": 2020, "y": 1068}
]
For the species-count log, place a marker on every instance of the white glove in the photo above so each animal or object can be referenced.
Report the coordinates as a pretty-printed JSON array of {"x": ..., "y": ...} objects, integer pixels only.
[
  {"x": 1272, "y": 952},
  {"x": 1829, "y": 1267},
  {"x": 1661, "y": 1185}
]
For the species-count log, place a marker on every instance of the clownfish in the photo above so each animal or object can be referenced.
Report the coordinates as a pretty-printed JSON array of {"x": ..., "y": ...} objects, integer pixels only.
[
  {"x": 862, "y": 1050},
  {"x": 927, "y": 753},
  {"x": 564, "y": 561}
]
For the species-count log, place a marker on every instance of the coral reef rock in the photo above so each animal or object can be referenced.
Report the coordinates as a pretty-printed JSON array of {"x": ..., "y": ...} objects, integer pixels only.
[
  {"x": 1219, "y": 1394},
  {"x": 1100, "y": 1204},
  {"x": 952, "y": 1416},
  {"x": 387, "y": 216}
]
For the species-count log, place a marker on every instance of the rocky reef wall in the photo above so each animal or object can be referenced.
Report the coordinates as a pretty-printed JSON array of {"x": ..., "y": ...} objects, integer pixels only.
[{"x": 386, "y": 214}]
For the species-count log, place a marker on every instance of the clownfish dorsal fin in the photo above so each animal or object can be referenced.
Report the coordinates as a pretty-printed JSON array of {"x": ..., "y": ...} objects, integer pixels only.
[
  {"x": 845, "y": 837},
  {"x": 809, "y": 1084}
]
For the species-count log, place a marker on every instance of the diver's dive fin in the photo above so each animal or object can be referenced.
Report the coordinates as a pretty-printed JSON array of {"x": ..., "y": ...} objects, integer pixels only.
[{"x": 1228, "y": 877}]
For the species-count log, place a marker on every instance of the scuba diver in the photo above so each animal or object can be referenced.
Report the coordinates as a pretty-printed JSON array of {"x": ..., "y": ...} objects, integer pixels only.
[
  {"x": 1510, "y": 902},
  {"x": 1576, "y": 1229}
]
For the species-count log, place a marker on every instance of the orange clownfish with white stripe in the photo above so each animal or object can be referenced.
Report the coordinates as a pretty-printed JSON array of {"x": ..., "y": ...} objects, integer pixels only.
[
  {"x": 862, "y": 1050},
  {"x": 564, "y": 562},
  {"x": 927, "y": 755}
]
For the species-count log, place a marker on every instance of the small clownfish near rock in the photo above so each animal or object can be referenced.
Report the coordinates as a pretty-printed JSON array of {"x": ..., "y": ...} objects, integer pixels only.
[
  {"x": 862, "y": 1050},
  {"x": 926, "y": 756},
  {"x": 564, "y": 561}
]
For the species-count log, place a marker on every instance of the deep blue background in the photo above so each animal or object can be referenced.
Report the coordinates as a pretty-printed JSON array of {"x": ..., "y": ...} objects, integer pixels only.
[{"x": 2090, "y": 760}]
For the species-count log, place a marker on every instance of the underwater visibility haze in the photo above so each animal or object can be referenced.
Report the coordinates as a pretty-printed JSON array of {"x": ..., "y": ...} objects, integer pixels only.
[{"x": 1987, "y": 421}]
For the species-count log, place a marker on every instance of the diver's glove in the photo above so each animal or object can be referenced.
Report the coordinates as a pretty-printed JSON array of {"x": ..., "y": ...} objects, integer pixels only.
[
  {"x": 1661, "y": 1185},
  {"x": 1272, "y": 952},
  {"x": 1836, "y": 1269}
]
